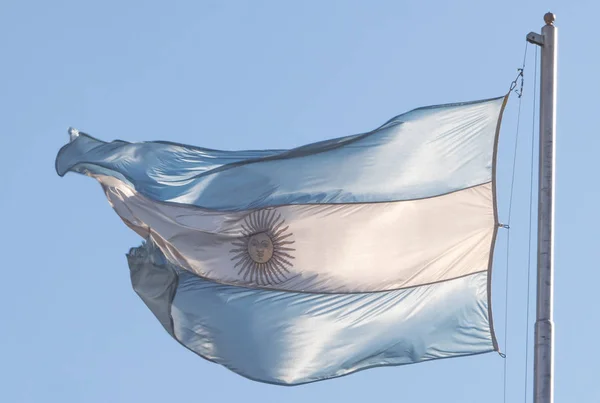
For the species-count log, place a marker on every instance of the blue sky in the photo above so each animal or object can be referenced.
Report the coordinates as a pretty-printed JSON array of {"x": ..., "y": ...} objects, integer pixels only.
[{"x": 266, "y": 74}]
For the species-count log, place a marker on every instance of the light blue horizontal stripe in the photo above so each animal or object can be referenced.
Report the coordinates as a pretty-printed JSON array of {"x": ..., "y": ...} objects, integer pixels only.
[
  {"x": 293, "y": 338},
  {"x": 423, "y": 153}
]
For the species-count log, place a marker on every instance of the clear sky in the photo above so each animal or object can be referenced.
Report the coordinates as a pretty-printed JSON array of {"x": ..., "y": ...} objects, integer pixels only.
[{"x": 266, "y": 74}]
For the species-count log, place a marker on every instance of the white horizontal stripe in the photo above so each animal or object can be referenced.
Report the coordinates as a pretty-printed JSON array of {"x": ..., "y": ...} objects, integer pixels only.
[{"x": 336, "y": 248}]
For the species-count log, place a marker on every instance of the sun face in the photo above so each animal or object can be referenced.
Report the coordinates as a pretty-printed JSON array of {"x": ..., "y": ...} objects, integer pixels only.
[
  {"x": 260, "y": 248},
  {"x": 263, "y": 252}
]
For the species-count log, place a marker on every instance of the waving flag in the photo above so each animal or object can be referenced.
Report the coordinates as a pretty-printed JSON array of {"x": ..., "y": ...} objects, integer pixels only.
[{"x": 292, "y": 266}]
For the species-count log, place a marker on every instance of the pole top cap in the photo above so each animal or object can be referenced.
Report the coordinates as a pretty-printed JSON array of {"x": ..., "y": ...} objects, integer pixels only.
[{"x": 549, "y": 18}]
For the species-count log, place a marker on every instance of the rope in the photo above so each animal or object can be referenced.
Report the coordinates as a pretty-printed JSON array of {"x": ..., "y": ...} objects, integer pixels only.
[
  {"x": 512, "y": 185},
  {"x": 527, "y": 329}
]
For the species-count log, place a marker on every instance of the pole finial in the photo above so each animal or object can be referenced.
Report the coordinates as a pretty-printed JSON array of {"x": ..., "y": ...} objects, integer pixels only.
[{"x": 549, "y": 18}]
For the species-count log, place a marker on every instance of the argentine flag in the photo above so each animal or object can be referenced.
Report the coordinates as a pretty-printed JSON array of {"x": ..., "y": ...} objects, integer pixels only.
[{"x": 293, "y": 266}]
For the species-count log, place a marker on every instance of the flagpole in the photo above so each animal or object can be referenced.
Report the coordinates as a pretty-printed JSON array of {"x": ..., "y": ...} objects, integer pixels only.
[{"x": 544, "y": 332}]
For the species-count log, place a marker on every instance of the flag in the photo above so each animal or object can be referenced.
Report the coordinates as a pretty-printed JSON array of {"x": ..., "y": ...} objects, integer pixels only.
[{"x": 293, "y": 266}]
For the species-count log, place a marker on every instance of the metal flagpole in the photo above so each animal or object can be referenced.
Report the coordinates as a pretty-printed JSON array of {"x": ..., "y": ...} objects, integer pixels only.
[{"x": 543, "y": 387}]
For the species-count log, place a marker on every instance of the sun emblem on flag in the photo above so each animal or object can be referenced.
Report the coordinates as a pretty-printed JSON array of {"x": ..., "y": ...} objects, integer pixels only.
[{"x": 263, "y": 253}]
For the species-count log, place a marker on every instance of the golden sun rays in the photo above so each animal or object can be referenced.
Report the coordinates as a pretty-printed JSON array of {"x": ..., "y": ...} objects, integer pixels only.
[{"x": 263, "y": 252}]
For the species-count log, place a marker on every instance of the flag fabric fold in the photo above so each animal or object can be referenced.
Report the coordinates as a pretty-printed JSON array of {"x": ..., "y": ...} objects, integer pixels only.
[
  {"x": 293, "y": 338},
  {"x": 291, "y": 266}
]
